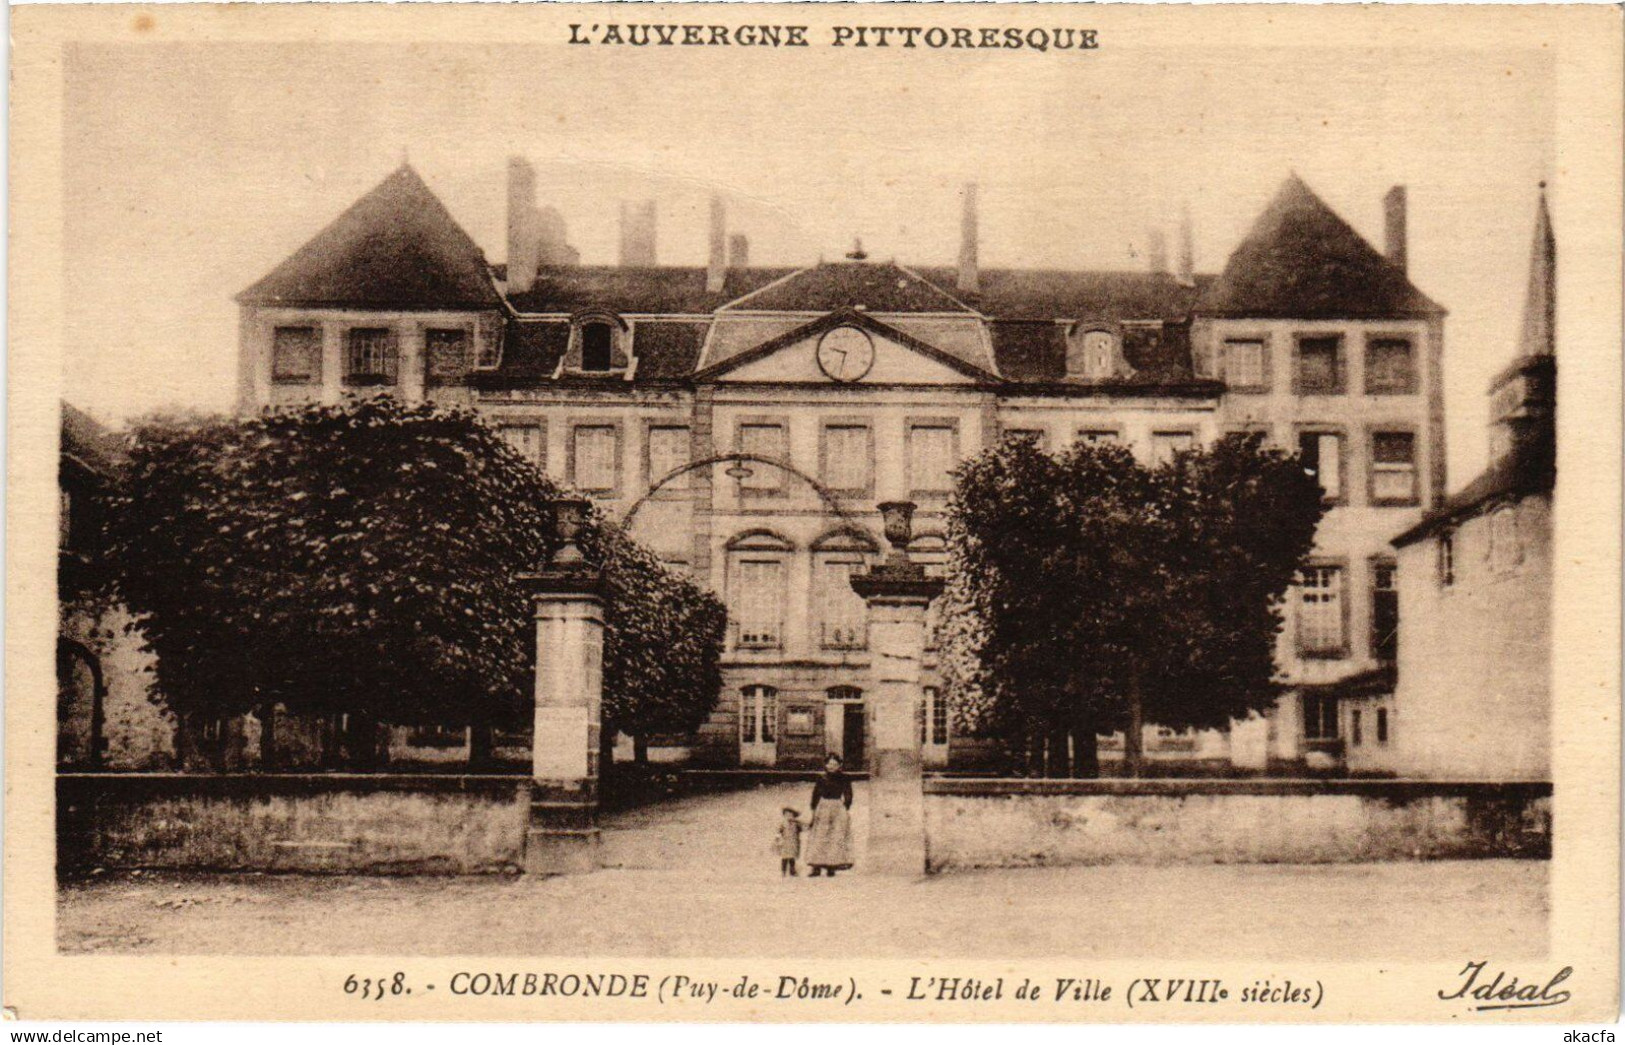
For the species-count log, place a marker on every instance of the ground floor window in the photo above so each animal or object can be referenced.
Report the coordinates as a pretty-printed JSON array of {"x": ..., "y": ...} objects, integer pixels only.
[{"x": 1320, "y": 718}]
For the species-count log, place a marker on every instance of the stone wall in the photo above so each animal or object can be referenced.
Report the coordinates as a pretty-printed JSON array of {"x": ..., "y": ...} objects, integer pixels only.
[
  {"x": 1020, "y": 823},
  {"x": 338, "y": 823}
]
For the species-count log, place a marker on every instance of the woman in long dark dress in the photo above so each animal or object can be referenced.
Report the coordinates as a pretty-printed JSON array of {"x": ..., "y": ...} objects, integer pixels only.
[{"x": 829, "y": 839}]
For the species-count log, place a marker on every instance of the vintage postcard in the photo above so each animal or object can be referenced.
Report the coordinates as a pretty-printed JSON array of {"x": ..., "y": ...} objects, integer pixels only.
[{"x": 814, "y": 512}]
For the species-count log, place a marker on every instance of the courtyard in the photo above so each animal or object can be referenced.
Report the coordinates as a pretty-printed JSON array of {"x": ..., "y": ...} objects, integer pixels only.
[{"x": 698, "y": 877}]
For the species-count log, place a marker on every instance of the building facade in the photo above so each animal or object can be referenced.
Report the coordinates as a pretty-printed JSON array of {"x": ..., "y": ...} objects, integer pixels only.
[
  {"x": 1475, "y": 662},
  {"x": 746, "y": 421}
]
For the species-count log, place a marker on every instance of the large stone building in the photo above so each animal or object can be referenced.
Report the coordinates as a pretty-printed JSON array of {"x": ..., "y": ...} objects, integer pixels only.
[
  {"x": 1475, "y": 660},
  {"x": 843, "y": 384}
]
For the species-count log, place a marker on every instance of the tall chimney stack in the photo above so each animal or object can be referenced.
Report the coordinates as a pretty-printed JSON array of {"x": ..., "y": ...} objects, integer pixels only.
[
  {"x": 1393, "y": 209},
  {"x": 738, "y": 251},
  {"x": 1185, "y": 260},
  {"x": 524, "y": 243},
  {"x": 1156, "y": 250},
  {"x": 716, "y": 268},
  {"x": 638, "y": 234},
  {"x": 970, "y": 274}
]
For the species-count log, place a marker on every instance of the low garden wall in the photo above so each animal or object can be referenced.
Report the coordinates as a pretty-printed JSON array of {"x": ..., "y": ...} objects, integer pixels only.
[
  {"x": 339, "y": 822},
  {"x": 1021, "y": 823}
]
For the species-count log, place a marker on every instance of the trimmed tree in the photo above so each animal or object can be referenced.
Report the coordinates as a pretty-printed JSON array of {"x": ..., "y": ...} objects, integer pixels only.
[
  {"x": 1091, "y": 594},
  {"x": 365, "y": 558}
]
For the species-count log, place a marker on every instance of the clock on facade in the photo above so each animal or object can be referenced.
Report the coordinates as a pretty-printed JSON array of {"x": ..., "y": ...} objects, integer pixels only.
[{"x": 846, "y": 354}]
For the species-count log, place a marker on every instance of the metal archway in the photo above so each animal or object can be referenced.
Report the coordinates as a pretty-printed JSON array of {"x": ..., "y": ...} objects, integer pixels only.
[{"x": 741, "y": 458}]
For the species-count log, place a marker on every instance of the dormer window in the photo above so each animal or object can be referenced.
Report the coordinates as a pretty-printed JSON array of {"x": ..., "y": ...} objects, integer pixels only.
[
  {"x": 597, "y": 347},
  {"x": 1091, "y": 355},
  {"x": 600, "y": 343}
]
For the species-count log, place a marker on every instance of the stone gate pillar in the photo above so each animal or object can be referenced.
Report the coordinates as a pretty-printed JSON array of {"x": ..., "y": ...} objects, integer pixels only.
[
  {"x": 562, "y": 837},
  {"x": 898, "y": 593}
]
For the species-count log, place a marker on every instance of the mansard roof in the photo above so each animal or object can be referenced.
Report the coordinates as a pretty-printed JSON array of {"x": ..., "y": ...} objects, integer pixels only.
[
  {"x": 1033, "y": 294},
  {"x": 663, "y": 290},
  {"x": 395, "y": 248},
  {"x": 1302, "y": 261},
  {"x": 870, "y": 286},
  {"x": 1034, "y": 353}
]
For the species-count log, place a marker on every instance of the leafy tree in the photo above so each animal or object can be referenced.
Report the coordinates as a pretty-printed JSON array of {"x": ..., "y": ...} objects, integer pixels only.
[
  {"x": 366, "y": 558},
  {"x": 1091, "y": 594}
]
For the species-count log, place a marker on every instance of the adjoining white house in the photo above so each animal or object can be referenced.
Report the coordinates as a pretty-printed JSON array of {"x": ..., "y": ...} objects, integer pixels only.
[
  {"x": 1474, "y": 698},
  {"x": 858, "y": 381}
]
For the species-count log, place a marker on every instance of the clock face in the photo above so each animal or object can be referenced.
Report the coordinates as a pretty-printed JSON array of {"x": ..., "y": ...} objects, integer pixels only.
[{"x": 846, "y": 354}]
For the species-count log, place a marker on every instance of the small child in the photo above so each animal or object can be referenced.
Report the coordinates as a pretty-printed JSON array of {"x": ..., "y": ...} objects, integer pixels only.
[{"x": 789, "y": 841}]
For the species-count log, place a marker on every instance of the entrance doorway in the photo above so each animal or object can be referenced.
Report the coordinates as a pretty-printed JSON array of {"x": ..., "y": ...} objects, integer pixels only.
[{"x": 847, "y": 725}]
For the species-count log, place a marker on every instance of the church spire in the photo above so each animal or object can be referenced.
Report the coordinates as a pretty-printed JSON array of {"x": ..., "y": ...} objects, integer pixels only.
[{"x": 1540, "y": 302}]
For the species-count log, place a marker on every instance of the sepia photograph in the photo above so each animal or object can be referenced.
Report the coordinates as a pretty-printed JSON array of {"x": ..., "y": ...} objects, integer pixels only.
[{"x": 983, "y": 504}]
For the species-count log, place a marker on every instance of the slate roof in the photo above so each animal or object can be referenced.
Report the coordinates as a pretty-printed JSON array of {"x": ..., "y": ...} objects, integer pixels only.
[
  {"x": 667, "y": 351},
  {"x": 1031, "y": 294},
  {"x": 1034, "y": 353},
  {"x": 89, "y": 442},
  {"x": 665, "y": 290},
  {"x": 395, "y": 248},
  {"x": 1302, "y": 261},
  {"x": 866, "y": 285}
]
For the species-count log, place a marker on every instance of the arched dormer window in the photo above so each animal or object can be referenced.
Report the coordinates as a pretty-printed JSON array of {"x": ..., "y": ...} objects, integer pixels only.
[
  {"x": 600, "y": 343},
  {"x": 757, "y": 585},
  {"x": 597, "y": 347},
  {"x": 842, "y": 615}
]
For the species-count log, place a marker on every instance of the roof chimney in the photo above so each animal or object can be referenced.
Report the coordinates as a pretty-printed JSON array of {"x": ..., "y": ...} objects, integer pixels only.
[
  {"x": 970, "y": 276},
  {"x": 1393, "y": 209},
  {"x": 716, "y": 267},
  {"x": 1157, "y": 251},
  {"x": 524, "y": 244},
  {"x": 1185, "y": 262},
  {"x": 638, "y": 234},
  {"x": 738, "y": 251}
]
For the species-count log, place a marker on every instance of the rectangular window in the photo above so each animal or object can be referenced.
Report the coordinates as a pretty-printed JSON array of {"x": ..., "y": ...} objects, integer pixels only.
[
  {"x": 1320, "y": 718},
  {"x": 296, "y": 355},
  {"x": 526, "y": 439},
  {"x": 369, "y": 356},
  {"x": 938, "y": 715},
  {"x": 1166, "y": 445},
  {"x": 846, "y": 458},
  {"x": 1384, "y": 612},
  {"x": 843, "y": 615},
  {"x": 596, "y": 458},
  {"x": 1320, "y": 365},
  {"x": 1356, "y": 733},
  {"x": 1243, "y": 364},
  {"x": 767, "y": 441},
  {"x": 930, "y": 458},
  {"x": 450, "y": 355},
  {"x": 1097, "y": 435},
  {"x": 1382, "y": 725},
  {"x": 1320, "y": 612},
  {"x": 761, "y": 603},
  {"x": 1390, "y": 367},
  {"x": 1322, "y": 456},
  {"x": 758, "y": 715},
  {"x": 1393, "y": 468},
  {"x": 668, "y": 451}
]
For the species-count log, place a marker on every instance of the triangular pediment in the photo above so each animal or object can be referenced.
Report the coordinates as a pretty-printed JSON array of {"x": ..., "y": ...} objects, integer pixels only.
[{"x": 847, "y": 347}]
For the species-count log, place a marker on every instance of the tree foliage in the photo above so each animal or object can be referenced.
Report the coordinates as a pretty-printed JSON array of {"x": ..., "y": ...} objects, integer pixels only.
[
  {"x": 367, "y": 558},
  {"x": 1087, "y": 589}
]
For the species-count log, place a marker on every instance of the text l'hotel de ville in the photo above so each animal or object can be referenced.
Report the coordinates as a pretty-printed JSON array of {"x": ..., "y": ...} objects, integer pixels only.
[{"x": 1011, "y": 38}]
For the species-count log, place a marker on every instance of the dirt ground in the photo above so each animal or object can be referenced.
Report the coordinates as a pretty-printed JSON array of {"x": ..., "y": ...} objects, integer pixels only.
[{"x": 698, "y": 877}]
